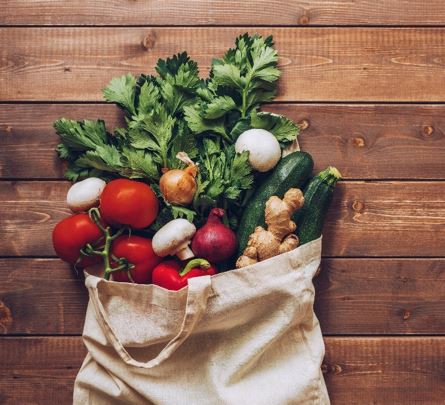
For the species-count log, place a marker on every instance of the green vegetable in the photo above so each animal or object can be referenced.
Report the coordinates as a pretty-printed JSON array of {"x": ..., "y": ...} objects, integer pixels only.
[
  {"x": 153, "y": 108},
  {"x": 176, "y": 111},
  {"x": 317, "y": 198},
  {"x": 292, "y": 171},
  {"x": 243, "y": 79}
]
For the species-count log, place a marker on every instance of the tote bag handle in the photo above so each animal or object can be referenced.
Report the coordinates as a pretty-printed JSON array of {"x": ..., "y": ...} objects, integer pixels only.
[{"x": 198, "y": 292}]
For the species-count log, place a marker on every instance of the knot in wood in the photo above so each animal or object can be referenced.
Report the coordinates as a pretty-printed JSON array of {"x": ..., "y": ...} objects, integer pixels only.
[
  {"x": 406, "y": 315},
  {"x": 304, "y": 19},
  {"x": 428, "y": 130},
  {"x": 5, "y": 318},
  {"x": 336, "y": 369},
  {"x": 149, "y": 41},
  {"x": 359, "y": 141},
  {"x": 303, "y": 124},
  {"x": 358, "y": 206}
]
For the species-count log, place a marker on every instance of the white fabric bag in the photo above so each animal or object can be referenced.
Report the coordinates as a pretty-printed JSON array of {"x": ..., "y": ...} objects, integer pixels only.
[{"x": 247, "y": 336}]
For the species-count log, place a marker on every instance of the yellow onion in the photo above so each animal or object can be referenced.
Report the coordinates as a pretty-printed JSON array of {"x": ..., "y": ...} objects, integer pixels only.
[{"x": 178, "y": 186}]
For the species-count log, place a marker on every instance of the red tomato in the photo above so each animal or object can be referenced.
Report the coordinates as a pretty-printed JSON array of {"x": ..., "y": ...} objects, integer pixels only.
[
  {"x": 72, "y": 234},
  {"x": 128, "y": 202},
  {"x": 137, "y": 251}
]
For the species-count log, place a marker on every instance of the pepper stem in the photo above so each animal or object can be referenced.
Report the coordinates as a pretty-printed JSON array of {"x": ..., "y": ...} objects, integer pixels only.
[{"x": 202, "y": 263}]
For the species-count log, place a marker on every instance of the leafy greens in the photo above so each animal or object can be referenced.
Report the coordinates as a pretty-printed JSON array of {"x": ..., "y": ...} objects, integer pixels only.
[{"x": 178, "y": 111}]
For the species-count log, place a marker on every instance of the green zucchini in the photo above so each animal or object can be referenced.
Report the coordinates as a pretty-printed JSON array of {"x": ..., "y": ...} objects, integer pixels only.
[
  {"x": 292, "y": 171},
  {"x": 317, "y": 198}
]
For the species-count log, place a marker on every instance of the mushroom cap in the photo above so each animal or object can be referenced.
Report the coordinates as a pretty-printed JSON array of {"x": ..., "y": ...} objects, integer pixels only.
[
  {"x": 264, "y": 149},
  {"x": 85, "y": 194},
  {"x": 172, "y": 236}
]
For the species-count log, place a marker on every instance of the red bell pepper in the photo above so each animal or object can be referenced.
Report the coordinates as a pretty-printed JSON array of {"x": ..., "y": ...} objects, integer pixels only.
[{"x": 168, "y": 274}]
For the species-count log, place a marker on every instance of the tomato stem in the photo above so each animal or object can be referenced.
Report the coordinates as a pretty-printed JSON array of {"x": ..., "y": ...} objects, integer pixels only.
[{"x": 105, "y": 252}]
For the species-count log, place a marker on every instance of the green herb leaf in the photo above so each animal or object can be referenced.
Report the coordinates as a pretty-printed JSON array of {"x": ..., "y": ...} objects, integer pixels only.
[
  {"x": 284, "y": 129},
  {"x": 183, "y": 141},
  {"x": 81, "y": 136},
  {"x": 198, "y": 124},
  {"x": 121, "y": 90},
  {"x": 139, "y": 164},
  {"x": 225, "y": 74},
  {"x": 148, "y": 97},
  {"x": 63, "y": 151},
  {"x": 105, "y": 158},
  {"x": 218, "y": 107},
  {"x": 240, "y": 176},
  {"x": 182, "y": 212}
]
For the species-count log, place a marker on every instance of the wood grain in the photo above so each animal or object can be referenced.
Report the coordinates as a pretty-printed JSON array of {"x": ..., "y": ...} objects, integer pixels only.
[
  {"x": 385, "y": 371},
  {"x": 363, "y": 141},
  {"x": 381, "y": 296},
  {"x": 40, "y": 296},
  {"x": 37, "y": 371},
  {"x": 357, "y": 370},
  {"x": 25, "y": 127},
  {"x": 366, "y": 218},
  {"x": 318, "y": 64},
  {"x": 221, "y": 12},
  {"x": 354, "y": 296}
]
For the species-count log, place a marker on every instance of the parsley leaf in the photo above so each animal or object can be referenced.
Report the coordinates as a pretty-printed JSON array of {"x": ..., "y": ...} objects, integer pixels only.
[
  {"x": 121, "y": 90},
  {"x": 81, "y": 135},
  {"x": 198, "y": 124},
  {"x": 218, "y": 107},
  {"x": 176, "y": 111},
  {"x": 182, "y": 212},
  {"x": 138, "y": 164},
  {"x": 239, "y": 176},
  {"x": 284, "y": 129},
  {"x": 250, "y": 69}
]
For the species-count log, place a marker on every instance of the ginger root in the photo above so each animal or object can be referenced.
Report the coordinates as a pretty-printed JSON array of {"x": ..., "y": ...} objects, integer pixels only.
[{"x": 279, "y": 237}]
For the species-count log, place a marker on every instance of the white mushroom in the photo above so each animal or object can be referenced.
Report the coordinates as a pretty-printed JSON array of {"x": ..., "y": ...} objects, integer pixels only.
[
  {"x": 85, "y": 194},
  {"x": 174, "y": 239},
  {"x": 264, "y": 149}
]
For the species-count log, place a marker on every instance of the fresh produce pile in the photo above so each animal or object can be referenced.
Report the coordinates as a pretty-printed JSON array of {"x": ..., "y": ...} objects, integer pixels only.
[{"x": 188, "y": 186}]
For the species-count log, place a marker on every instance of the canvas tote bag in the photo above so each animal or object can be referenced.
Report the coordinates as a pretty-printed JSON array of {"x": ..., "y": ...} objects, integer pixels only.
[{"x": 247, "y": 336}]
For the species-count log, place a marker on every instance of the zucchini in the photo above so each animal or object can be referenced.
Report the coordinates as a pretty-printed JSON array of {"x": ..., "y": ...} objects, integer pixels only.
[
  {"x": 317, "y": 198},
  {"x": 292, "y": 171}
]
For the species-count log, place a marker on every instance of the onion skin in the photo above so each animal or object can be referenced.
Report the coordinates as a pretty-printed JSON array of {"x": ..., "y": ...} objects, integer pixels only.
[
  {"x": 178, "y": 186},
  {"x": 215, "y": 241}
]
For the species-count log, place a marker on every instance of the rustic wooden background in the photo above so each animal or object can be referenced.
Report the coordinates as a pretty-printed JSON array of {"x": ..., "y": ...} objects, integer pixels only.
[{"x": 368, "y": 76}]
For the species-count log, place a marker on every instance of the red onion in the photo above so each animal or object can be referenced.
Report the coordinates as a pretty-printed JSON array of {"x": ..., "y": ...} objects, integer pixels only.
[{"x": 214, "y": 241}]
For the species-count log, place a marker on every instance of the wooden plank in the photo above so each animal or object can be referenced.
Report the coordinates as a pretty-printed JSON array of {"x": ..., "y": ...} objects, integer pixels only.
[
  {"x": 221, "y": 12},
  {"x": 354, "y": 296},
  {"x": 25, "y": 127},
  {"x": 41, "y": 296},
  {"x": 37, "y": 371},
  {"x": 381, "y": 296},
  {"x": 357, "y": 370},
  {"x": 385, "y": 370},
  {"x": 318, "y": 64},
  {"x": 366, "y": 218},
  {"x": 363, "y": 141}
]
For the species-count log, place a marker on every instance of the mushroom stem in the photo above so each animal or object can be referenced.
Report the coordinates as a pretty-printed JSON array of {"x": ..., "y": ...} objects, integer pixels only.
[{"x": 184, "y": 252}]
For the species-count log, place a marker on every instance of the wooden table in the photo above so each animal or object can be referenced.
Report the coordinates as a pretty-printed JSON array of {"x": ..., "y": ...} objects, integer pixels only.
[{"x": 368, "y": 77}]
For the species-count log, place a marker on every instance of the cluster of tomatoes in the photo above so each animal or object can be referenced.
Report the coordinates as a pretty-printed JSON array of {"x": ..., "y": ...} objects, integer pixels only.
[
  {"x": 104, "y": 234},
  {"x": 124, "y": 204}
]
